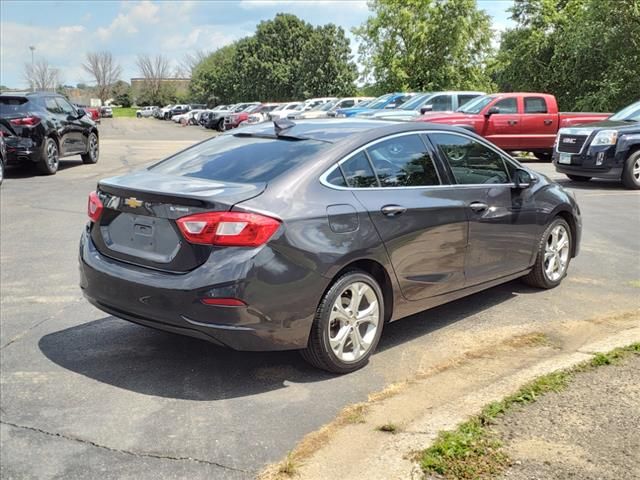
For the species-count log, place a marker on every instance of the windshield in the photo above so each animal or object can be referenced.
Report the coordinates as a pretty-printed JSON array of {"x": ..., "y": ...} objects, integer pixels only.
[
  {"x": 416, "y": 102},
  {"x": 379, "y": 102},
  {"x": 475, "y": 106},
  {"x": 629, "y": 113},
  {"x": 240, "y": 159}
]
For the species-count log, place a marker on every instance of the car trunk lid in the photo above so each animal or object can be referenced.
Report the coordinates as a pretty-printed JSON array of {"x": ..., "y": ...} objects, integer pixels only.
[{"x": 138, "y": 222}]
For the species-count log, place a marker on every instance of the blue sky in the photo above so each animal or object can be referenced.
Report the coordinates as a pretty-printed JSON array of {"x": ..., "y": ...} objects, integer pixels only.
[{"x": 63, "y": 31}]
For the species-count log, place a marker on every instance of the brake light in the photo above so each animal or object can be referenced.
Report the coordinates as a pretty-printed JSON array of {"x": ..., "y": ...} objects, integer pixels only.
[
  {"x": 232, "y": 229},
  {"x": 26, "y": 121},
  {"x": 95, "y": 207},
  {"x": 223, "y": 302}
]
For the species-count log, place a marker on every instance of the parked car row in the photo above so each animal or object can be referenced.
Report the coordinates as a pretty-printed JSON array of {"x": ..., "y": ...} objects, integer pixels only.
[{"x": 40, "y": 128}]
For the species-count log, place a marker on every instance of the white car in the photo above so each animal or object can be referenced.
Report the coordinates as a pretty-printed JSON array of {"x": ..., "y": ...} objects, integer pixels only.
[
  {"x": 146, "y": 111},
  {"x": 285, "y": 109},
  {"x": 314, "y": 102},
  {"x": 325, "y": 109},
  {"x": 191, "y": 117}
]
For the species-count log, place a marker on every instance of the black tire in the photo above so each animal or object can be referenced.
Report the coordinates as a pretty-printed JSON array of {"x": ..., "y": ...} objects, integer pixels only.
[
  {"x": 47, "y": 164},
  {"x": 138, "y": 115},
  {"x": 538, "y": 277},
  {"x": 220, "y": 125},
  {"x": 578, "y": 178},
  {"x": 630, "y": 170},
  {"x": 1, "y": 170},
  {"x": 543, "y": 156},
  {"x": 319, "y": 352},
  {"x": 93, "y": 152}
]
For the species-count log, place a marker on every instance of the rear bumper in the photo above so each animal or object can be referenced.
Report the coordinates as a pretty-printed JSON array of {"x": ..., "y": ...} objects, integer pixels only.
[
  {"x": 21, "y": 149},
  {"x": 171, "y": 302}
]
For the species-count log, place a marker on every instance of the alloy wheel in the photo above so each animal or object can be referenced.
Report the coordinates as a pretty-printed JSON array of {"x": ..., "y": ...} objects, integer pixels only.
[
  {"x": 556, "y": 253},
  {"x": 353, "y": 323},
  {"x": 93, "y": 147},
  {"x": 636, "y": 171},
  {"x": 52, "y": 155}
]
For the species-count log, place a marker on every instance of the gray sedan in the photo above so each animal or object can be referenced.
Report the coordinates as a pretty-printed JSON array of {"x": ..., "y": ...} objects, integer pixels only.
[{"x": 314, "y": 235}]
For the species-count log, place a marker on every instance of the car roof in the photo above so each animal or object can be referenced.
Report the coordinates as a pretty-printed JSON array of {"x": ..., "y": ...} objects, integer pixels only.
[
  {"x": 333, "y": 130},
  {"x": 29, "y": 94}
]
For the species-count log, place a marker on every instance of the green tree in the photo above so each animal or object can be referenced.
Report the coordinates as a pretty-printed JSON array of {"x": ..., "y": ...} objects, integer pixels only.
[
  {"x": 426, "y": 45},
  {"x": 122, "y": 93},
  {"x": 213, "y": 79},
  {"x": 586, "y": 52}
]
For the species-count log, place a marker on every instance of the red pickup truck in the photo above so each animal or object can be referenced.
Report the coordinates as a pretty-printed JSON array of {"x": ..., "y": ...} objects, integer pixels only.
[{"x": 525, "y": 122}]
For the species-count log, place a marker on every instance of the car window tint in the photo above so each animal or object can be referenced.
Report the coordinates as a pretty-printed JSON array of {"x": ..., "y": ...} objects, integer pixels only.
[
  {"x": 507, "y": 105},
  {"x": 10, "y": 105},
  {"x": 65, "y": 106},
  {"x": 535, "y": 105},
  {"x": 403, "y": 162},
  {"x": 336, "y": 178},
  {"x": 347, "y": 104},
  {"x": 462, "y": 99},
  {"x": 470, "y": 161},
  {"x": 358, "y": 172},
  {"x": 51, "y": 105},
  {"x": 240, "y": 159},
  {"x": 441, "y": 103}
]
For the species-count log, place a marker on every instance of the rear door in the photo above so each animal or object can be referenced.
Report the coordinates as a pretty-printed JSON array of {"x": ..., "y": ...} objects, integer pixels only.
[
  {"x": 503, "y": 230},
  {"x": 503, "y": 128},
  {"x": 423, "y": 227},
  {"x": 538, "y": 125}
]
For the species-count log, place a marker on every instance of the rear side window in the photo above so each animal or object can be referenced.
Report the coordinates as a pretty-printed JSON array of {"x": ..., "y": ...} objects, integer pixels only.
[
  {"x": 358, "y": 173},
  {"x": 240, "y": 159},
  {"x": 403, "y": 162},
  {"x": 441, "y": 103},
  {"x": 535, "y": 105},
  {"x": 12, "y": 105},
  {"x": 471, "y": 162}
]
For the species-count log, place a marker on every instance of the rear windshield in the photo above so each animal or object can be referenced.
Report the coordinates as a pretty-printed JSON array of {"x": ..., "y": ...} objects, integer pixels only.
[
  {"x": 10, "y": 105},
  {"x": 240, "y": 159}
]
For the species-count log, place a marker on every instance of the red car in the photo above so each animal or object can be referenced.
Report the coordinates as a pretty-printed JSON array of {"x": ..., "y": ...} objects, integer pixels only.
[
  {"x": 93, "y": 112},
  {"x": 515, "y": 121}
]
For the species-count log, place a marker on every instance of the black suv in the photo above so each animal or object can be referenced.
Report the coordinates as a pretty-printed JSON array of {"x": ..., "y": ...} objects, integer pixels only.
[
  {"x": 46, "y": 128},
  {"x": 609, "y": 149}
]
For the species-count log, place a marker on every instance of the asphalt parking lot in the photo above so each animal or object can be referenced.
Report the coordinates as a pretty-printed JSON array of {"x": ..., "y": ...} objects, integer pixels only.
[{"x": 85, "y": 395}]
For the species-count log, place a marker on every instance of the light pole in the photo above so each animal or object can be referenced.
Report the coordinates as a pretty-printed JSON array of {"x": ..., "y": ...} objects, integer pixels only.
[{"x": 33, "y": 49}]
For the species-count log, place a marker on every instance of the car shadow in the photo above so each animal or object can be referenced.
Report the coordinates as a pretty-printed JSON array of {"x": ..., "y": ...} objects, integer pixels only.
[
  {"x": 146, "y": 361},
  {"x": 30, "y": 170},
  {"x": 593, "y": 184}
]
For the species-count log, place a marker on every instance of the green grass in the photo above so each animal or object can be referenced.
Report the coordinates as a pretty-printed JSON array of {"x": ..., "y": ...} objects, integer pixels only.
[
  {"x": 119, "y": 112},
  {"x": 472, "y": 450},
  {"x": 634, "y": 283}
]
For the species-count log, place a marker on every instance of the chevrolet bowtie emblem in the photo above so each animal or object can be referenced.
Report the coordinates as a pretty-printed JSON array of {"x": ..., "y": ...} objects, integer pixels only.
[{"x": 133, "y": 202}]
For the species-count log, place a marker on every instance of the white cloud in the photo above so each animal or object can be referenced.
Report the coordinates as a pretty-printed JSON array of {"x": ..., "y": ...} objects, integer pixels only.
[{"x": 129, "y": 21}]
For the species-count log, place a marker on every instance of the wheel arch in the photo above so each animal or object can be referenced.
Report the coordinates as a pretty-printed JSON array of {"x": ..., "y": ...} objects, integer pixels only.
[
  {"x": 377, "y": 271},
  {"x": 568, "y": 217}
]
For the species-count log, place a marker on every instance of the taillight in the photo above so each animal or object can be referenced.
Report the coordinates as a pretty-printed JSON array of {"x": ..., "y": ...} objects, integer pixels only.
[
  {"x": 94, "y": 208},
  {"x": 26, "y": 121},
  {"x": 232, "y": 229},
  {"x": 223, "y": 302}
]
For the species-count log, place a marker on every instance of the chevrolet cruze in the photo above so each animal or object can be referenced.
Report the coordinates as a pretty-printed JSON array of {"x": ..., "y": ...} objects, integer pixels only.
[{"x": 314, "y": 235}]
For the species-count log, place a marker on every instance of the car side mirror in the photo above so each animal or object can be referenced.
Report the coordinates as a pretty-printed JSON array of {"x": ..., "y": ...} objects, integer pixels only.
[
  {"x": 492, "y": 111},
  {"x": 426, "y": 108},
  {"x": 80, "y": 112},
  {"x": 523, "y": 179}
]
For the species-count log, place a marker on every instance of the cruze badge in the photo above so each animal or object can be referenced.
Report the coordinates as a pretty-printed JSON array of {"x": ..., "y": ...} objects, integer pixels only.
[
  {"x": 133, "y": 202},
  {"x": 568, "y": 140}
]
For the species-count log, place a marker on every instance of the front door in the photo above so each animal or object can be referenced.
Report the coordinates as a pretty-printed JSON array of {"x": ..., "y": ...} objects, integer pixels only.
[
  {"x": 75, "y": 141},
  {"x": 503, "y": 230},
  {"x": 503, "y": 128},
  {"x": 423, "y": 228}
]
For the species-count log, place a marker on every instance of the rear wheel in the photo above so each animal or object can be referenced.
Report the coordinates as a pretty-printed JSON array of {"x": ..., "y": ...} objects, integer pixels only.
[
  {"x": 578, "y": 178},
  {"x": 50, "y": 158},
  {"x": 93, "y": 150},
  {"x": 631, "y": 171},
  {"x": 1, "y": 170},
  {"x": 347, "y": 325},
  {"x": 554, "y": 255}
]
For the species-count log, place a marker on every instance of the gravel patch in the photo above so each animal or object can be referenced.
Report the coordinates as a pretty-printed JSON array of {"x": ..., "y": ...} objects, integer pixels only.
[{"x": 591, "y": 430}]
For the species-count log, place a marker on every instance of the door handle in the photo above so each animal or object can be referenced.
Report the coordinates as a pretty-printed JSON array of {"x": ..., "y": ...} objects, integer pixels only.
[
  {"x": 392, "y": 210},
  {"x": 478, "y": 206},
  {"x": 512, "y": 122},
  {"x": 548, "y": 122}
]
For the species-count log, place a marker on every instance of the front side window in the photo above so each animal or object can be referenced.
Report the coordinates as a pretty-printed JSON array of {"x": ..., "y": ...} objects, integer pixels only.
[
  {"x": 471, "y": 162},
  {"x": 65, "y": 106},
  {"x": 51, "y": 105},
  {"x": 535, "y": 105},
  {"x": 403, "y": 162},
  {"x": 358, "y": 173},
  {"x": 507, "y": 105}
]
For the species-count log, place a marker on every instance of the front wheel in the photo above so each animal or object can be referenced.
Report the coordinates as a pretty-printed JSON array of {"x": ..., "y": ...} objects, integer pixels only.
[
  {"x": 554, "y": 255},
  {"x": 347, "y": 325},
  {"x": 578, "y": 178},
  {"x": 220, "y": 125},
  {"x": 138, "y": 115},
  {"x": 631, "y": 172},
  {"x": 93, "y": 150}
]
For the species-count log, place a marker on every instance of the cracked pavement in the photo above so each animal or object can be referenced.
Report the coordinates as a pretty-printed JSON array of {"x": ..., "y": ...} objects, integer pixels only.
[{"x": 86, "y": 395}]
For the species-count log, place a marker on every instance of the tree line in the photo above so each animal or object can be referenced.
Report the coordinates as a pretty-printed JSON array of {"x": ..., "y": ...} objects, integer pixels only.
[{"x": 586, "y": 52}]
